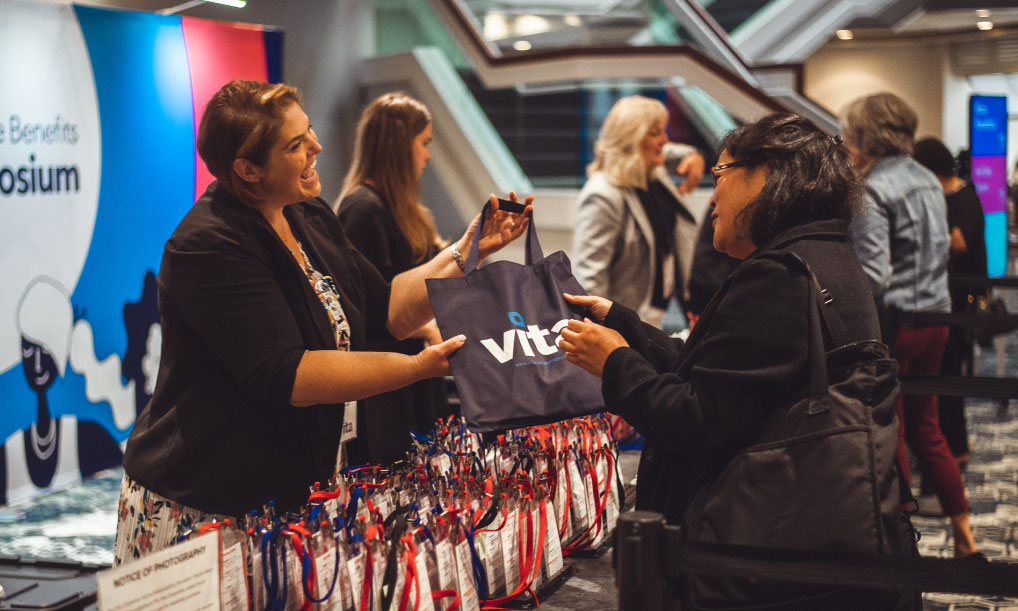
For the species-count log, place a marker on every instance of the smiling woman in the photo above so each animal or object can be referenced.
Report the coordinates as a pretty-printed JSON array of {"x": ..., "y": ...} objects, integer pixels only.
[
  {"x": 262, "y": 300},
  {"x": 634, "y": 234},
  {"x": 729, "y": 454}
]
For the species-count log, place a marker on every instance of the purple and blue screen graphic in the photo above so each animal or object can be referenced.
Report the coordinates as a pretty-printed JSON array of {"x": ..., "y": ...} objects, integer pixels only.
[{"x": 988, "y": 139}]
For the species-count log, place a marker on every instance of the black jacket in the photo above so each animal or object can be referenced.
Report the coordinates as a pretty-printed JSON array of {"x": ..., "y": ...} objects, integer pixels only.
[
  {"x": 237, "y": 316},
  {"x": 747, "y": 358}
]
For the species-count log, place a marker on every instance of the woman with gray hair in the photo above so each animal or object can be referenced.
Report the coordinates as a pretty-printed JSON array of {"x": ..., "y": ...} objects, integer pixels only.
[
  {"x": 634, "y": 237},
  {"x": 903, "y": 242}
]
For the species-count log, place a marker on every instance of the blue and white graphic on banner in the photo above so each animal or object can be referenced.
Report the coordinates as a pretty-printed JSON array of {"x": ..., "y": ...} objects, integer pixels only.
[{"x": 96, "y": 169}]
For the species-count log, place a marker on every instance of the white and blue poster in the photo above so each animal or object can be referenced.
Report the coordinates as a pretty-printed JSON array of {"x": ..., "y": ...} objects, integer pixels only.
[
  {"x": 988, "y": 139},
  {"x": 97, "y": 166}
]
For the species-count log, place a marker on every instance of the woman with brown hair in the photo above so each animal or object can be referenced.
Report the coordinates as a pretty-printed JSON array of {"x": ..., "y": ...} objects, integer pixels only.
[
  {"x": 266, "y": 311},
  {"x": 381, "y": 212}
]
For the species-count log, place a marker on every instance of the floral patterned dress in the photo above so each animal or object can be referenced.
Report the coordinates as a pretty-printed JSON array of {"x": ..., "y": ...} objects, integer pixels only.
[{"x": 148, "y": 522}]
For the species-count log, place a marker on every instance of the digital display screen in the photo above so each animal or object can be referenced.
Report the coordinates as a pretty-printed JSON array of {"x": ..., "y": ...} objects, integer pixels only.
[{"x": 988, "y": 140}]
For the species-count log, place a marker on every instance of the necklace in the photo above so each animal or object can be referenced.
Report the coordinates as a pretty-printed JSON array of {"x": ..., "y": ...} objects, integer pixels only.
[{"x": 44, "y": 447}]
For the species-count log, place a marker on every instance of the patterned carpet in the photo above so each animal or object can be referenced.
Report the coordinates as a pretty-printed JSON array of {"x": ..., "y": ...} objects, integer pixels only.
[{"x": 991, "y": 481}]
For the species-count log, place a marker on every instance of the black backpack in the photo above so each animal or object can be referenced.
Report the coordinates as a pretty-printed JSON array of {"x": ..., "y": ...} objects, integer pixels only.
[{"x": 821, "y": 475}]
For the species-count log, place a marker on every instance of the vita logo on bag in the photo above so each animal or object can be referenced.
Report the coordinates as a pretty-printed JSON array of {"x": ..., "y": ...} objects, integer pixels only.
[{"x": 526, "y": 335}]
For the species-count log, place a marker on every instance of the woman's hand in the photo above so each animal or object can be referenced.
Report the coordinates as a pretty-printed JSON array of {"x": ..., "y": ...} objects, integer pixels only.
[
  {"x": 500, "y": 227},
  {"x": 597, "y": 306},
  {"x": 433, "y": 361},
  {"x": 429, "y": 333},
  {"x": 692, "y": 167},
  {"x": 588, "y": 344}
]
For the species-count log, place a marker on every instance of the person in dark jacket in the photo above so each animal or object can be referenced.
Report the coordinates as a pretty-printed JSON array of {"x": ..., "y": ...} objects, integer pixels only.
[
  {"x": 720, "y": 411},
  {"x": 381, "y": 212},
  {"x": 966, "y": 223},
  {"x": 266, "y": 308}
]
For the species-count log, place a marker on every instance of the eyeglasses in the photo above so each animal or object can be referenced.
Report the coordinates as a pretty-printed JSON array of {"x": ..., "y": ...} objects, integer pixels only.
[{"x": 735, "y": 164}]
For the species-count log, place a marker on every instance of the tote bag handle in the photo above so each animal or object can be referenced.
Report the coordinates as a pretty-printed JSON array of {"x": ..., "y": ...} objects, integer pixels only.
[{"x": 533, "y": 252}]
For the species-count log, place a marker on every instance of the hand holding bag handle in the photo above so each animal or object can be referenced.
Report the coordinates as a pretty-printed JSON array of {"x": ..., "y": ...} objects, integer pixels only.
[{"x": 532, "y": 249}]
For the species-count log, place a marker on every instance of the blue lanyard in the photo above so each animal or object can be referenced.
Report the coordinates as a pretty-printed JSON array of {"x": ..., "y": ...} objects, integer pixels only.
[
  {"x": 276, "y": 595},
  {"x": 307, "y": 569},
  {"x": 480, "y": 574}
]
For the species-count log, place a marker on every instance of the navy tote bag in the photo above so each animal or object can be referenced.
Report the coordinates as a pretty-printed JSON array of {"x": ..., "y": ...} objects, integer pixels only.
[{"x": 511, "y": 373}]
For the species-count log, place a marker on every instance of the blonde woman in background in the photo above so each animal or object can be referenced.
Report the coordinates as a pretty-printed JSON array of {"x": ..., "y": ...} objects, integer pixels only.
[
  {"x": 634, "y": 237},
  {"x": 381, "y": 213}
]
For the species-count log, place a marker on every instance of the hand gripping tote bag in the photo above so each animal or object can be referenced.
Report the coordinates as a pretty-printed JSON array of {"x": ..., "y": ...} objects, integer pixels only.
[{"x": 511, "y": 373}]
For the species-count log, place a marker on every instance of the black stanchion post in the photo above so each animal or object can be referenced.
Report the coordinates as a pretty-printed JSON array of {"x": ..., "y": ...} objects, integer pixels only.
[{"x": 640, "y": 561}]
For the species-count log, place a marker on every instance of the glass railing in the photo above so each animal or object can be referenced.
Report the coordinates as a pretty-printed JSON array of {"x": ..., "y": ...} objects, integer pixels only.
[
  {"x": 523, "y": 25},
  {"x": 730, "y": 14},
  {"x": 549, "y": 126},
  {"x": 546, "y": 73},
  {"x": 515, "y": 26}
]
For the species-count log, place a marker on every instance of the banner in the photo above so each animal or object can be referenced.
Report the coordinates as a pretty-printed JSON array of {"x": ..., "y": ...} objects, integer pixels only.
[{"x": 98, "y": 114}]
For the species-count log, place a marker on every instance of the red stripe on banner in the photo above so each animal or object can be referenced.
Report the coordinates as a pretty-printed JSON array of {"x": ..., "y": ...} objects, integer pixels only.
[{"x": 217, "y": 53}]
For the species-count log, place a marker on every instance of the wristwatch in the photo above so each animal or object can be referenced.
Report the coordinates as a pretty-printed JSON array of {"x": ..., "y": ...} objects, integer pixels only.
[{"x": 457, "y": 256}]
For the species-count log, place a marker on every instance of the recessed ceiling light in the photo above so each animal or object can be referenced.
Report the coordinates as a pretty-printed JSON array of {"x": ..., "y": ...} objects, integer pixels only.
[
  {"x": 193, "y": 3},
  {"x": 572, "y": 20},
  {"x": 983, "y": 13},
  {"x": 844, "y": 34},
  {"x": 522, "y": 45},
  {"x": 984, "y": 25}
]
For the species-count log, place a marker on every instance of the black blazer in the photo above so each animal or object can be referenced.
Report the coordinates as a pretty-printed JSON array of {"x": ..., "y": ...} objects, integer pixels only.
[
  {"x": 237, "y": 316},
  {"x": 700, "y": 402}
]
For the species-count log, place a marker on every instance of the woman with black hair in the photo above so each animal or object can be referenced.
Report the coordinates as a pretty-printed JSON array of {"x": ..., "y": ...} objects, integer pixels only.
[
  {"x": 968, "y": 256},
  {"x": 733, "y": 453}
]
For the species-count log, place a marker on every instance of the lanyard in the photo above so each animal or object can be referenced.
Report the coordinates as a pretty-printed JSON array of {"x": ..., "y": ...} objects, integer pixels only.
[
  {"x": 276, "y": 595},
  {"x": 411, "y": 575},
  {"x": 479, "y": 573}
]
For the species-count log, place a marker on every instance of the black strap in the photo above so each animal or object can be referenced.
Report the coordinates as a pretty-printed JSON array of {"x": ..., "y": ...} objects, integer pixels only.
[
  {"x": 959, "y": 386},
  {"x": 822, "y": 314},
  {"x": 874, "y": 571},
  {"x": 389, "y": 579},
  {"x": 998, "y": 322}
]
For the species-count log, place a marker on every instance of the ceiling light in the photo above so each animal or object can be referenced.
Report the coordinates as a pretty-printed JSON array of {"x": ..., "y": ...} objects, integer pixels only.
[
  {"x": 983, "y": 13},
  {"x": 495, "y": 26},
  {"x": 845, "y": 34},
  {"x": 572, "y": 20},
  {"x": 984, "y": 25},
  {"x": 528, "y": 25},
  {"x": 522, "y": 45},
  {"x": 193, "y": 3}
]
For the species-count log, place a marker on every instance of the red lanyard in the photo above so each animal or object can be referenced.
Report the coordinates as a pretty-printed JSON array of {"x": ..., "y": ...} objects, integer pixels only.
[
  {"x": 599, "y": 502},
  {"x": 411, "y": 575},
  {"x": 368, "y": 574},
  {"x": 529, "y": 569}
]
